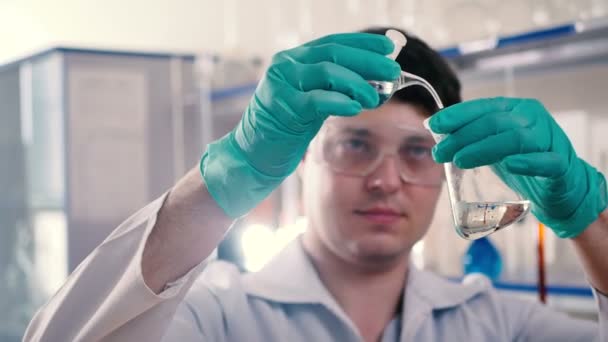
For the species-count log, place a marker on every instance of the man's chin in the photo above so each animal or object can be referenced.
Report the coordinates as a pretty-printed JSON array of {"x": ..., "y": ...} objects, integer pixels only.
[{"x": 379, "y": 250}]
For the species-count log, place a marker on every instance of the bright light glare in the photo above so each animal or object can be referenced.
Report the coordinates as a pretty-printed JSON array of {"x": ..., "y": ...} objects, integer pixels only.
[
  {"x": 51, "y": 259},
  {"x": 257, "y": 243},
  {"x": 260, "y": 243},
  {"x": 284, "y": 235},
  {"x": 418, "y": 254}
]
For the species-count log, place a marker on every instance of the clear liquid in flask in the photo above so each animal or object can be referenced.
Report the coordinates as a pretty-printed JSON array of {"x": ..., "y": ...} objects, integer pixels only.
[{"x": 478, "y": 219}]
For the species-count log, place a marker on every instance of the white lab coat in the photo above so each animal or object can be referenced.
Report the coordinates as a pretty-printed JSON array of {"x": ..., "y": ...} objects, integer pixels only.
[{"x": 105, "y": 298}]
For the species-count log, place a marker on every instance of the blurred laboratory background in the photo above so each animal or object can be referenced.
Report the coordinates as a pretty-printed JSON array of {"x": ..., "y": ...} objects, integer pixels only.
[{"x": 105, "y": 104}]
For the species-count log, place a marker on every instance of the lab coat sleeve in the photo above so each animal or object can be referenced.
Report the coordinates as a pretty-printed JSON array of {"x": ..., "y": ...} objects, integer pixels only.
[
  {"x": 106, "y": 299},
  {"x": 216, "y": 297},
  {"x": 540, "y": 323}
]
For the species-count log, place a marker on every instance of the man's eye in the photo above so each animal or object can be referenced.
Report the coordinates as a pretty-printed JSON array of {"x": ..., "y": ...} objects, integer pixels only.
[
  {"x": 355, "y": 145},
  {"x": 416, "y": 152}
]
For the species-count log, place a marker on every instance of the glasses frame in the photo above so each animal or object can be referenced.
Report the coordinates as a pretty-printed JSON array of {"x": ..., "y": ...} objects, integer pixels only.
[{"x": 321, "y": 157}]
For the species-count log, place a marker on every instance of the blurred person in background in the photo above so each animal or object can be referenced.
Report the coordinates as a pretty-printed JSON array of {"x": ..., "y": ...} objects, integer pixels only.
[{"x": 371, "y": 179}]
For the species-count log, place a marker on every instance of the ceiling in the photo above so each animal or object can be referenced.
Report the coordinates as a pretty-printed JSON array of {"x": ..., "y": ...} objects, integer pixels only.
[{"x": 261, "y": 27}]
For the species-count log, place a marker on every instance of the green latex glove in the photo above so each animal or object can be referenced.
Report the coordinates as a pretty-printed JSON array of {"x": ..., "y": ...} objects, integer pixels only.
[
  {"x": 300, "y": 89},
  {"x": 529, "y": 151}
]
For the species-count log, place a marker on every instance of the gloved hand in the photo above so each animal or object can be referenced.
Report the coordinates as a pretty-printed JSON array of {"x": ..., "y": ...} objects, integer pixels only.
[
  {"x": 300, "y": 89},
  {"x": 529, "y": 152}
]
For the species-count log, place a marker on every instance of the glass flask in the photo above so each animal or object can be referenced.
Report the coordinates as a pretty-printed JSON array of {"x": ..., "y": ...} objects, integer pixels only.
[{"x": 481, "y": 203}]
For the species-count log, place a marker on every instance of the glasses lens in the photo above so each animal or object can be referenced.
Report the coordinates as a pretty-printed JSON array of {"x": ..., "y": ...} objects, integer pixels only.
[
  {"x": 358, "y": 150},
  {"x": 416, "y": 161},
  {"x": 351, "y": 151}
]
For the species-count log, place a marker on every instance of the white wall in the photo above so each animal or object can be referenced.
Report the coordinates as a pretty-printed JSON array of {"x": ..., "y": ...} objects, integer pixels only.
[{"x": 262, "y": 26}]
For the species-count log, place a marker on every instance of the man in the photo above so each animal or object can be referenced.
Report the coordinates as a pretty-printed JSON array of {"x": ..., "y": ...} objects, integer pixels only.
[{"x": 370, "y": 188}]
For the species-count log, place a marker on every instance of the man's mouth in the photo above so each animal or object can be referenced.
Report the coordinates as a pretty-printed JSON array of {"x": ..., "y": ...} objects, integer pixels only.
[{"x": 380, "y": 215}]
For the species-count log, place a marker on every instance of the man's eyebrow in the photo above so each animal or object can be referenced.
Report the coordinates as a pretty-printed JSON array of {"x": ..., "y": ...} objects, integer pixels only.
[
  {"x": 419, "y": 139},
  {"x": 366, "y": 132},
  {"x": 362, "y": 132}
]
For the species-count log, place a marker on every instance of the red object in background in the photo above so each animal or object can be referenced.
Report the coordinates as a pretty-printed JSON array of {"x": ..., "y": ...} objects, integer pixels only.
[{"x": 542, "y": 285}]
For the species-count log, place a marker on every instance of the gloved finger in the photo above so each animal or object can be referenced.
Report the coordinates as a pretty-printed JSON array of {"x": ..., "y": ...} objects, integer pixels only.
[
  {"x": 368, "y": 41},
  {"x": 476, "y": 130},
  {"x": 454, "y": 117},
  {"x": 323, "y": 103},
  {"x": 542, "y": 164},
  {"x": 328, "y": 76},
  {"x": 496, "y": 147},
  {"x": 369, "y": 65}
]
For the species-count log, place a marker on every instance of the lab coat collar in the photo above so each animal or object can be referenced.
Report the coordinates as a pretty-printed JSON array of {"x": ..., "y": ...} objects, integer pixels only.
[{"x": 290, "y": 277}]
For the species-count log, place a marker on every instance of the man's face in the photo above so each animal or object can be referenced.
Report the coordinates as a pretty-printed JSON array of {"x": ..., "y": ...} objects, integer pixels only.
[{"x": 370, "y": 185}]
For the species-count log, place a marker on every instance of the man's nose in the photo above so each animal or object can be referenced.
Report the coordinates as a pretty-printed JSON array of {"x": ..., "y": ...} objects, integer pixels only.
[{"x": 386, "y": 177}]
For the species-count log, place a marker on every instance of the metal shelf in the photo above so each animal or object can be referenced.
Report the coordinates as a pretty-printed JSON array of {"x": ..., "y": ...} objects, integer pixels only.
[{"x": 557, "y": 290}]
